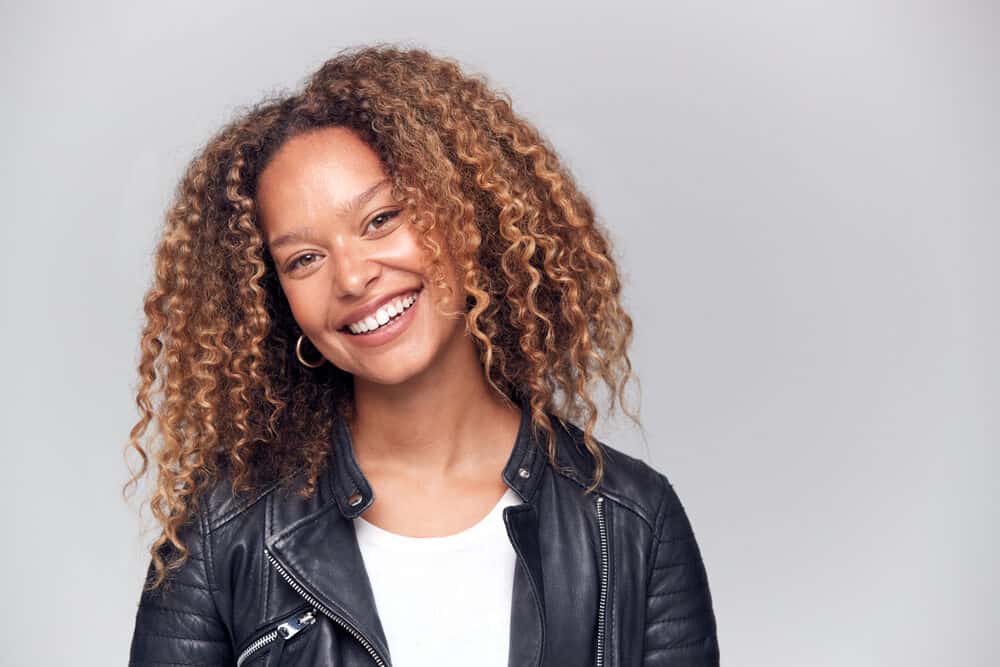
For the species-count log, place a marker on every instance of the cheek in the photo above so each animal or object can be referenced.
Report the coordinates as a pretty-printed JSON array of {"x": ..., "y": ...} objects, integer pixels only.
[
  {"x": 405, "y": 249},
  {"x": 304, "y": 303}
]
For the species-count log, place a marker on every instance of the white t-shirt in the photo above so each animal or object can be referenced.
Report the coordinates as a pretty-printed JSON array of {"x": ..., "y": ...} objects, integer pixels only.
[{"x": 444, "y": 600}]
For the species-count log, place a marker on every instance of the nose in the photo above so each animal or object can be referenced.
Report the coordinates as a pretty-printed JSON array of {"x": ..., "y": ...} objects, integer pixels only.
[{"x": 353, "y": 268}]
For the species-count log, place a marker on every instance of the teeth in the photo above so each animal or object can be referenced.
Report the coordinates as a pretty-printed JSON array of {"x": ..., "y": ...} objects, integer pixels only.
[{"x": 382, "y": 315}]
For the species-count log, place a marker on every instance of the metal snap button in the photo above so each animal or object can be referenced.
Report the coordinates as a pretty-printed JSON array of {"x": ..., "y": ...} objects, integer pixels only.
[
  {"x": 524, "y": 472},
  {"x": 355, "y": 499}
]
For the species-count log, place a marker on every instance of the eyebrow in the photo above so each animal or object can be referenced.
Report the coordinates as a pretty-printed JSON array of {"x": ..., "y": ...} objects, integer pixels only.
[{"x": 307, "y": 233}]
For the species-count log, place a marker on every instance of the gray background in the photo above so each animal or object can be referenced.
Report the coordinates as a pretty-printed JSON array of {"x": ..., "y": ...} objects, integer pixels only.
[{"x": 803, "y": 198}]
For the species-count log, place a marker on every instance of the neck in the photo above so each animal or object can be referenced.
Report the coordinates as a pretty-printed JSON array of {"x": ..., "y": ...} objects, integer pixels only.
[{"x": 446, "y": 422}]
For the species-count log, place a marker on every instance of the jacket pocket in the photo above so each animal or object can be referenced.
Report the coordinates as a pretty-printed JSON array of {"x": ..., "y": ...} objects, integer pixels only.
[{"x": 274, "y": 639}]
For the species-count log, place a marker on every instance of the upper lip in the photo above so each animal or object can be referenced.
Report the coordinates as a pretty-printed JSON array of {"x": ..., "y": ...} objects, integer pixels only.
[{"x": 370, "y": 308}]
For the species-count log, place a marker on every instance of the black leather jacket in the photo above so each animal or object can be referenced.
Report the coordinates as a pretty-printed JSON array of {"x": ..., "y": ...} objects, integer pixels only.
[{"x": 612, "y": 578}]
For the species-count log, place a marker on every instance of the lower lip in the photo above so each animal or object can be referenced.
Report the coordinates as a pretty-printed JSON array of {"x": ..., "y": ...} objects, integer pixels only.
[{"x": 386, "y": 332}]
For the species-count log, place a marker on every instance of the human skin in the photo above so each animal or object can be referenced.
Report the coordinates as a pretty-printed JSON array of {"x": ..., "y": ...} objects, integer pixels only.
[{"x": 429, "y": 433}]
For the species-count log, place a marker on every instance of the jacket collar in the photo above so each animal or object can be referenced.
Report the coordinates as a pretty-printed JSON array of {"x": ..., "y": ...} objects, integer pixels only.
[
  {"x": 319, "y": 552},
  {"x": 353, "y": 493}
]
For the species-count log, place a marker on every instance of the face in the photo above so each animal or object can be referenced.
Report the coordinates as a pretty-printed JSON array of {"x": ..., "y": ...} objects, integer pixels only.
[{"x": 349, "y": 262}]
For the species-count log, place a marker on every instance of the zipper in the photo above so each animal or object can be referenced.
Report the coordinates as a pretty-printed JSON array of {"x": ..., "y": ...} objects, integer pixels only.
[
  {"x": 603, "y": 602},
  {"x": 284, "y": 632},
  {"x": 326, "y": 611}
]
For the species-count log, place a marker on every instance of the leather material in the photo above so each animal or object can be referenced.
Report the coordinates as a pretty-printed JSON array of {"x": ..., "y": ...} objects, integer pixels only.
[{"x": 259, "y": 560}]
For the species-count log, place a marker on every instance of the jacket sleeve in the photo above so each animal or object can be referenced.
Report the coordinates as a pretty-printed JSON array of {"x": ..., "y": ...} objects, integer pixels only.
[
  {"x": 178, "y": 623},
  {"x": 680, "y": 621}
]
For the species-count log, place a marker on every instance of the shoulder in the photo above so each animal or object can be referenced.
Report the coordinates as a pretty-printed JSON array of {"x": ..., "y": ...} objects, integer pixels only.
[
  {"x": 627, "y": 480},
  {"x": 219, "y": 504}
]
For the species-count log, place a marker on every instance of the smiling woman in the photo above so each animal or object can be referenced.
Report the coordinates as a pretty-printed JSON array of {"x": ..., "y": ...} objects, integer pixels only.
[{"x": 384, "y": 295}]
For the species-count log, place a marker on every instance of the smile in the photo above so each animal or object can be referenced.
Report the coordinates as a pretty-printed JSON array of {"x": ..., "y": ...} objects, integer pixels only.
[
  {"x": 386, "y": 323},
  {"x": 384, "y": 315}
]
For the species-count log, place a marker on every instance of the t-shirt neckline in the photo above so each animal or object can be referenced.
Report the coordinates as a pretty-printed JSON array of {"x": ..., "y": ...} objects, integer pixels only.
[{"x": 370, "y": 533}]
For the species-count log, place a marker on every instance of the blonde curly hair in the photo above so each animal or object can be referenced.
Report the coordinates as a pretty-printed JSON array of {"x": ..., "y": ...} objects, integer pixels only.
[{"x": 542, "y": 290}]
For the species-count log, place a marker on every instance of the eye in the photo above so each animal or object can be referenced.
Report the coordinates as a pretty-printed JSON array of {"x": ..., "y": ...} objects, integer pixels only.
[
  {"x": 298, "y": 261},
  {"x": 382, "y": 220}
]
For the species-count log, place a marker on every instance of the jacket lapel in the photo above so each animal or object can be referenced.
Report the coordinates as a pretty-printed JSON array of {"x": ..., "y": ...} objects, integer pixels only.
[
  {"x": 321, "y": 554},
  {"x": 527, "y": 614}
]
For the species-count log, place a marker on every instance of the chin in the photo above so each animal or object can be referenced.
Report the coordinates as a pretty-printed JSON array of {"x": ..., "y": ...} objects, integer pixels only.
[
  {"x": 399, "y": 369},
  {"x": 393, "y": 369}
]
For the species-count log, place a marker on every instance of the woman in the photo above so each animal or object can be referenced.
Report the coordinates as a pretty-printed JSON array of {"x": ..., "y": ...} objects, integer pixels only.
[{"x": 368, "y": 296}]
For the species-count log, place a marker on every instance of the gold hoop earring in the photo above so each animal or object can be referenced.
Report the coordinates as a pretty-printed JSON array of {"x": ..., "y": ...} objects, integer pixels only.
[{"x": 298, "y": 354}]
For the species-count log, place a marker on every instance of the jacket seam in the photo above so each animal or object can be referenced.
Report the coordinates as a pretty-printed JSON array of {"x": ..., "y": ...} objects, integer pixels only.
[
  {"x": 570, "y": 473},
  {"x": 209, "y": 565},
  {"x": 163, "y": 635},
  {"x": 267, "y": 571},
  {"x": 696, "y": 587},
  {"x": 661, "y": 514},
  {"x": 604, "y": 492},
  {"x": 311, "y": 517},
  {"x": 192, "y": 586},
  {"x": 219, "y": 523},
  {"x": 674, "y": 647},
  {"x": 158, "y": 663},
  {"x": 654, "y": 551},
  {"x": 183, "y": 612}
]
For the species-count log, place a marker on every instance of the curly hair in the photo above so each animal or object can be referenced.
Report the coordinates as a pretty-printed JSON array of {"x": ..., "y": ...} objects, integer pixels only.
[{"x": 542, "y": 290}]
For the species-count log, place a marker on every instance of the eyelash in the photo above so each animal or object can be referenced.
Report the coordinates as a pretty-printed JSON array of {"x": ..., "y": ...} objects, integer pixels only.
[
  {"x": 388, "y": 215},
  {"x": 296, "y": 262}
]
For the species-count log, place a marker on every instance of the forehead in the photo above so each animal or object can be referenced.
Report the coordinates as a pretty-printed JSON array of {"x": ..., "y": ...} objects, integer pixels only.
[{"x": 314, "y": 173}]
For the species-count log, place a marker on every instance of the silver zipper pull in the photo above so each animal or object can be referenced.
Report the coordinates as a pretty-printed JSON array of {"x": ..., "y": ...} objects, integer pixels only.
[{"x": 289, "y": 629}]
